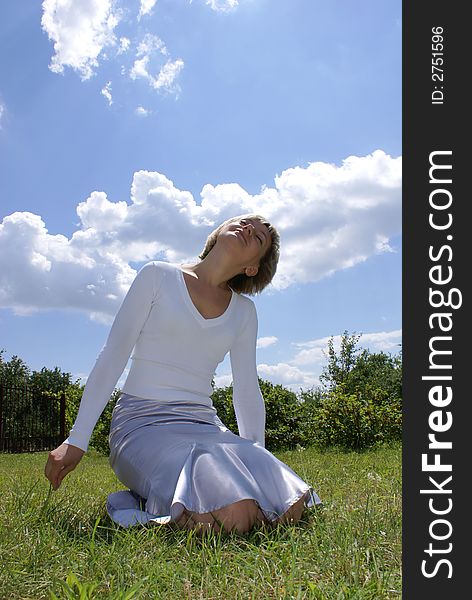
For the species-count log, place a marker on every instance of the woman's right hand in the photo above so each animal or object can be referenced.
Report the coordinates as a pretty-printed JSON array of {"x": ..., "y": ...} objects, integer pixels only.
[{"x": 62, "y": 461}]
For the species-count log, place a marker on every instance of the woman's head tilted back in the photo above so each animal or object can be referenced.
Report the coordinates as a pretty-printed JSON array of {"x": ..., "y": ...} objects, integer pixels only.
[{"x": 243, "y": 283}]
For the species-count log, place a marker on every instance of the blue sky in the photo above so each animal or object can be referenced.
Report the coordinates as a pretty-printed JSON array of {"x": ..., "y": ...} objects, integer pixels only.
[{"x": 128, "y": 130}]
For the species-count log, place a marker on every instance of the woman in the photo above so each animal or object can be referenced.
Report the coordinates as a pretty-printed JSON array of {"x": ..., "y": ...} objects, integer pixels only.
[{"x": 167, "y": 443}]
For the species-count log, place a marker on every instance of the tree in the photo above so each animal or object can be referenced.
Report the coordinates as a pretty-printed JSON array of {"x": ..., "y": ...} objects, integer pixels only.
[
  {"x": 14, "y": 371},
  {"x": 340, "y": 364},
  {"x": 53, "y": 381},
  {"x": 360, "y": 371},
  {"x": 377, "y": 375}
]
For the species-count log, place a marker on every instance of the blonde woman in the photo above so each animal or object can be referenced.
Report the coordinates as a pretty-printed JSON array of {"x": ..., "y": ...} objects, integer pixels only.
[{"x": 167, "y": 444}]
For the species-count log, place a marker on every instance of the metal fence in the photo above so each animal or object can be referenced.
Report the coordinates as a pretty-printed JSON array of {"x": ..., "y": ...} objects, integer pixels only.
[{"x": 30, "y": 420}]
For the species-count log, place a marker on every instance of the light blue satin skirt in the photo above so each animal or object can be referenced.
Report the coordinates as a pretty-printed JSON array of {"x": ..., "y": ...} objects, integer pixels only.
[{"x": 173, "y": 456}]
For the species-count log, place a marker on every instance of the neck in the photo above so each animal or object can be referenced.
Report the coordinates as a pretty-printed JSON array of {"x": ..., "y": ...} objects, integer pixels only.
[{"x": 216, "y": 269}]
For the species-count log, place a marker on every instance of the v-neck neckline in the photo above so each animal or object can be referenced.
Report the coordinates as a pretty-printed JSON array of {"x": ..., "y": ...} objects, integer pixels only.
[{"x": 197, "y": 314}]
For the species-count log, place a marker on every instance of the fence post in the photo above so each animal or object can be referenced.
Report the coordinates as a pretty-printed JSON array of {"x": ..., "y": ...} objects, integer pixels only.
[{"x": 62, "y": 417}]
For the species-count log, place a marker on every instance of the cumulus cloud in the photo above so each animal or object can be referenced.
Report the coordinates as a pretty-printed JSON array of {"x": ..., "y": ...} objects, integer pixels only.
[
  {"x": 2, "y": 112},
  {"x": 223, "y": 380},
  {"x": 80, "y": 32},
  {"x": 334, "y": 217},
  {"x": 287, "y": 375},
  {"x": 83, "y": 33},
  {"x": 44, "y": 271},
  {"x": 303, "y": 370},
  {"x": 329, "y": 217},
  {"x": 263, "y": 342},
  {"x": 314, "y": 352},
  {"x": 382, "y": 341},
  {"x": 284, "y": 374}
]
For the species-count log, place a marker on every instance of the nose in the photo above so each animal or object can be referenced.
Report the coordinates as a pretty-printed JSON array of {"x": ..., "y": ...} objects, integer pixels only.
[{"x": 249, "y": 228}]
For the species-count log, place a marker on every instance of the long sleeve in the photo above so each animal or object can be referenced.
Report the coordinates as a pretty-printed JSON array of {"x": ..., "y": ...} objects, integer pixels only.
[
  {"x": 115, "y": 354},
  {"x": 247, "y": 398}
]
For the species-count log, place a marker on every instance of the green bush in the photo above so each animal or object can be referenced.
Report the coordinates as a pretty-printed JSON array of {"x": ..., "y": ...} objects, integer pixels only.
[
  {"x": 283, "y": 417},
  {"x": 356, "y": 421},
  {"x": 99, "y": 439},
  {"x": 283, "y": 414},
  {"x": 358, "y": 406},
  {"x": 222, "y": 399}
]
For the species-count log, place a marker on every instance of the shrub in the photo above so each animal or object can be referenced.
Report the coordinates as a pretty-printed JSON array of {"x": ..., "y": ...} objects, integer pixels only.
[
  {"x": 283, "y": 414},
  {"x": 222, "y": 399},
  {"x": 283, "y": 417},
  {"x": 358, "y": 406},
  {"x": 99, "y": 439},
  {"x": 356, "y": 421}
]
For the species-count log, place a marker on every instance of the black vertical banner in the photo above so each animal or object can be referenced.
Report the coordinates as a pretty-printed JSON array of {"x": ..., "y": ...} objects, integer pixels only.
[{"x": 437, "y": 333}]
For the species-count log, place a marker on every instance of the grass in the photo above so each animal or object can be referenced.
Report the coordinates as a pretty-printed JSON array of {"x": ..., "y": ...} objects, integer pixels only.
[{"x": 63, "y": 545}]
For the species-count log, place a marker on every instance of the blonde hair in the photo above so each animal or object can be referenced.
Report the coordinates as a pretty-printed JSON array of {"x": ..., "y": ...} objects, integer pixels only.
[{"x": 241, "y": 283}]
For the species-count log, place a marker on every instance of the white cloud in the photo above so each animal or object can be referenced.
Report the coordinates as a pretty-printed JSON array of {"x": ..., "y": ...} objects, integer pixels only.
[
  {"x": 303, "y": 370},
  {"x": 330, "y": 217},
  {"x": 124, "y": 45},
  {"x": 311, "y": 206},
  {"x": 97, "y": 213},
  {"x": 150, "y": 44},
  {"x": 165, "y": 79},
  {"x": 314, "y": 352},
  {"x": 2, "y": 112},
  {"x": 264, "y": 342},
  {"x": 142, "y": 112},
  {"x": 139, "y": 68},
  {"x": 222, "y": 5},
  {"x": 287, "y": 375},
  {"x": 223, "y": 380},
  {"x": 106, "y": 91},
  {"x": 44, "y": 271},
  {"x": 147, "y": 52},
  {"x": 80, "y": 32},
  {"x": 282, "y": 373},
  {"x": 382, "y": 341},
  {"x": 146, "y": 7},
  {"x": 167, "y": 76}
]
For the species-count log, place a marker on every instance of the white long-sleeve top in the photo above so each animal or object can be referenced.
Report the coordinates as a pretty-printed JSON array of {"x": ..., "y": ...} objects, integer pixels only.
[{"x": 176, "y": 352}]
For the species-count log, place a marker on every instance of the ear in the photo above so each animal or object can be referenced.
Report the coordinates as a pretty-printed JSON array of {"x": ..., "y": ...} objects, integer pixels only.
[{"x": 251, "y": 271}]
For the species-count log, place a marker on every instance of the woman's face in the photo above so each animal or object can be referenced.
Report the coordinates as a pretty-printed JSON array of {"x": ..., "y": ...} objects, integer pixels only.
[{"x": 251, "y": 239}]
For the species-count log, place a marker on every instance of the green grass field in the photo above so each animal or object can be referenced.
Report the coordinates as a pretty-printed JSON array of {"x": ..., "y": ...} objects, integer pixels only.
[{"x": 348, "y": 548}]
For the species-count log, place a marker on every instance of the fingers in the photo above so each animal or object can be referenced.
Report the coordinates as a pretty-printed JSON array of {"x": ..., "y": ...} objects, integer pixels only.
[
  {"x": 63, "y": 472},
  {"x": 62, "y": 461},
  {"x": 52, "y": 471}
]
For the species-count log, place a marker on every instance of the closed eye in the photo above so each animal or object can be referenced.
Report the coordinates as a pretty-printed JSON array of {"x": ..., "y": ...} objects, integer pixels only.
[{"x": 244, "y": 222}]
